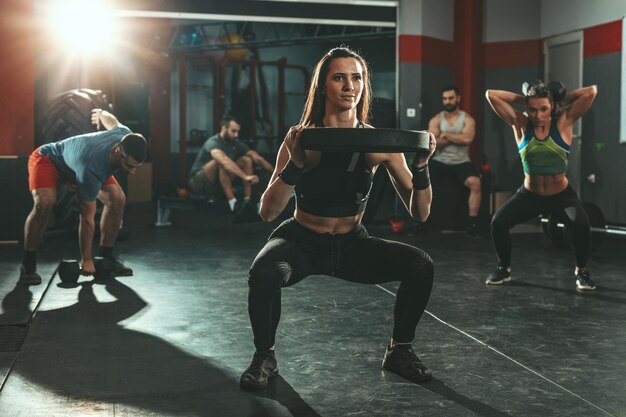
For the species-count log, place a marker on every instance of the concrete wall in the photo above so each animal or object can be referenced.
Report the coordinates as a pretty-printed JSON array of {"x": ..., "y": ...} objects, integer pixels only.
[
  {"x": 425, "y": 34},
  {"x": 438, "y": 19},
  {"x": 511, "y": 20},
  {"x": 603, "y": 155},
  {"x": 433, "y": 18},
  {"x": 562, "y": 16}
]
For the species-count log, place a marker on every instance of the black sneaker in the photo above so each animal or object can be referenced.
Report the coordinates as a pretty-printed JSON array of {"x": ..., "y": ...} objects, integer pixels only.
[
  {"x": 499, "y": 276},
  {"x": 401, "y": 360},
  {"x": 29, "y": 278},
  {"x": 261, "y": 369},
  {"x": 584, "y": 281},
  {"x": 119, "y": 269},
  {"x": 249, "y": 213},
  {"x": 472, "y": 231}
]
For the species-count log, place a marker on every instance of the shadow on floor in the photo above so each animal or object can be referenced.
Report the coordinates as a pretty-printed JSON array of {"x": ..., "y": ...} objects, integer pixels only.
[
  {"x": 599, "y": 294},
  {"x": 479, "y": 408},
  {"x": 82, "y": 352}
]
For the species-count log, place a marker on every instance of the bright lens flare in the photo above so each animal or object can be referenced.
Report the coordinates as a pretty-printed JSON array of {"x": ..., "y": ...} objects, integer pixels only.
[{"x": 83, "y": 25}]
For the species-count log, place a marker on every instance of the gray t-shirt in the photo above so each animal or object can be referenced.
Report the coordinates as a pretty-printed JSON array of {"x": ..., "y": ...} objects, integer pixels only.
[
  {"x": 452, "y": 153},
  {"x": 234, "y": 149},
  {"x": 84, "y": 159}
]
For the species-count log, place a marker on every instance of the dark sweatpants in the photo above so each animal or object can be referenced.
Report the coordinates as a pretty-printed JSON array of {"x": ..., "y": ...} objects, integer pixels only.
[
  {"x": 294, "y": 252},
  {"x": 524, "y": 205}
]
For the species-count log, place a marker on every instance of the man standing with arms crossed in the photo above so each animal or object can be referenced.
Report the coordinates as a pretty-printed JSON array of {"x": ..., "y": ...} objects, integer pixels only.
[{"x": 454, "y": 130}]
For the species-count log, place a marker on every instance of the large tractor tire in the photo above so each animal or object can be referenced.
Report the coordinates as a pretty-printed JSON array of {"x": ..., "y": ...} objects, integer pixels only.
[{"x": 69, "y": 114}]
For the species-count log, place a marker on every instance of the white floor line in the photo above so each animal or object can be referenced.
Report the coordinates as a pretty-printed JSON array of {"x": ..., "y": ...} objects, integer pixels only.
[{"x": 508, "y": 357}]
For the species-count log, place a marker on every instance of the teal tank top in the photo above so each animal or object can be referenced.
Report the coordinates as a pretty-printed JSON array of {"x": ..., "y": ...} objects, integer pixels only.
[{"x": 544, "y": 157}]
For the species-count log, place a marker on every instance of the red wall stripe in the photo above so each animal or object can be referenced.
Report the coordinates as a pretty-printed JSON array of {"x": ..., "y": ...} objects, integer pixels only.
[
  {"x": 409, "y": 48},
  {"x": 513, "y": 54},
  {"x": 439, "y": 52},
  {"x": 425, "y": 50},
  {"x": 17, "y": 75},
  {"x": 597, "y": 40},
  {"x": 602, "y": 39}
]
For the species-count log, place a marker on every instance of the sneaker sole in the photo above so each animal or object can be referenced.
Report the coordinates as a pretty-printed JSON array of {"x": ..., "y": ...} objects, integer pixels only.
[
  {"x": 29, "y": 281},
  {"x": 502, "y": 281},
  {"x": 585, "y": 289},
  {"x": 425, "y": 378},
  {"x": 253, "y": 387}
]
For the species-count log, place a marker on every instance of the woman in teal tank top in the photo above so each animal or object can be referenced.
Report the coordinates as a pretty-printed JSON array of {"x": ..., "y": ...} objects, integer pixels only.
[{"x": 543, "y": 135}]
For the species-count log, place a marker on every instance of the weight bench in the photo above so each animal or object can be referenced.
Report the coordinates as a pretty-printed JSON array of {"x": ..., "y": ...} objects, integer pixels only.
[{"x": 165, "y": 205}]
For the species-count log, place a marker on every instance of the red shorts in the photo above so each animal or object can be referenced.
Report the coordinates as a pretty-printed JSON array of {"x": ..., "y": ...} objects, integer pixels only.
[{"x": 43, "y": 174}]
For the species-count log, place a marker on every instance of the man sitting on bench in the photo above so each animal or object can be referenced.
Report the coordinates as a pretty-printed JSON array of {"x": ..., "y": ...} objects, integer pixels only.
[{"x": 224, "y": 159}]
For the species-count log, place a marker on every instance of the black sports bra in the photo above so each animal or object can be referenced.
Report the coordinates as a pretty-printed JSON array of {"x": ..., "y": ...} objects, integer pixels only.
[{"x": 339, "y": 186}]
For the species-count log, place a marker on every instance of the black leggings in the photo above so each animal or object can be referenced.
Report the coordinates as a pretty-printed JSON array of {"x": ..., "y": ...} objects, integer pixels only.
[
  {"x": 565, "y": 207},
  {"x": 294, "y": 252}
]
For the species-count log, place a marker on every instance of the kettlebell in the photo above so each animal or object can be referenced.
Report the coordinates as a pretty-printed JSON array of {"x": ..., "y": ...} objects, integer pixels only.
[
  {"x": 558, "y": 90},
  {"x": 69, "y": 271},
  {"x": 397, "y": 223}
]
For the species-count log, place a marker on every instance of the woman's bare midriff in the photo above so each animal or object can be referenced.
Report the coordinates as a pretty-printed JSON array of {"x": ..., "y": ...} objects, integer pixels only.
[
  {"x": 334, "y": 225},
  {"x": 545, "y": 185}
]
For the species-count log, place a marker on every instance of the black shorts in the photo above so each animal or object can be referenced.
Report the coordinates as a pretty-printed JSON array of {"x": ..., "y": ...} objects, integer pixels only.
[{"x": 459, "y": 171}]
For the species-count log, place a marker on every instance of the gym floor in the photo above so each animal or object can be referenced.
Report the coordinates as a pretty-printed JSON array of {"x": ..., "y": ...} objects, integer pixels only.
[{"x": 173, "y": 339}]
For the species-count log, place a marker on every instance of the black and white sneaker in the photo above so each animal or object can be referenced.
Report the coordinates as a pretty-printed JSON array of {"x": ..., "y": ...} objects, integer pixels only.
[
  {"x": 402, "y": 360},
  {"x": 584, "y": 281},
  {"x": 499, "y": 276},
  {"x": 262, "y": 368}
]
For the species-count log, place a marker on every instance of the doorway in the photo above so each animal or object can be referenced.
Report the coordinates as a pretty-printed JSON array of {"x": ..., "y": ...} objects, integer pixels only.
[{"x": 564, "y": 62}]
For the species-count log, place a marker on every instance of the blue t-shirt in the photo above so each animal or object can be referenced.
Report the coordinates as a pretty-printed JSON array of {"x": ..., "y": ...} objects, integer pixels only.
[
  {"x": 84, "y": 159},
  {"x": 232, "y": 148}
]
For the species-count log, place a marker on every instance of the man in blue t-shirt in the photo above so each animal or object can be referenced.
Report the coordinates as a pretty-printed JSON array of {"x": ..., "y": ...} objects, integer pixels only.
[
  {"x": 224, "y": 158},
  {"x": 87, "y": 162}
]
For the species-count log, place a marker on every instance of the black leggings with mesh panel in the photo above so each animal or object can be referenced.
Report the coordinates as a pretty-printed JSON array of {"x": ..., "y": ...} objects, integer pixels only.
[
  {"x": 565, "y": 206},
  {"x": 294, "y": 252}
]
